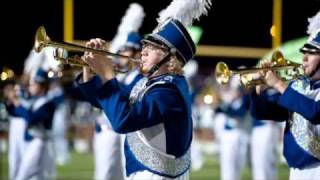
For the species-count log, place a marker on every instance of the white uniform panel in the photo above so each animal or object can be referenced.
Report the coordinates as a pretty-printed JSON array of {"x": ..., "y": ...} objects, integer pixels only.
[
  {"x": 264, "y": 142},
  {"x": 146, "y": 175},
  {"x": 37, "y": 160},
  {"x": 59, "y": 127},
  {"x": 16, "y": 145},
  {"x": 108, "y": 155},
  {"x": 233, "y": 153},
  {"x": 310, "y": 173}
]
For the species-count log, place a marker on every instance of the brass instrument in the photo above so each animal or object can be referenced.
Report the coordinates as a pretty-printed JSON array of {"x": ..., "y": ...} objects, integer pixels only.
[
  {"x": 62, "y": 56},
  {"x": 42, "y": 40},
  {"x": 76, "y": 62},
  {"x": 250, "y": 77}
]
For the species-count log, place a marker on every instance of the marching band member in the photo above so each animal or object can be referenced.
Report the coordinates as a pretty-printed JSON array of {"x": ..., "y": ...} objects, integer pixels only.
[
  {"x": 47, "y": 62},
  {"x": 59, "y": 124},
  {"x": 16, "y": 131},
  {"x": 154, "y": 146},
  {"x": 298, "y": 102},
  {"x": 110, "y": 164},
  {"x": 156, "y": 114},
  {"x": 38, "y": 116},
  {"x": 235, "y": 135},
  {"x": 265, "y": 139}
]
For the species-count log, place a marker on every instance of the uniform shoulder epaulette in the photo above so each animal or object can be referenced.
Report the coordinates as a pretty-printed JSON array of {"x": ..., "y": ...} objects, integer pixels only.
[{"x": 165, "y": 79}]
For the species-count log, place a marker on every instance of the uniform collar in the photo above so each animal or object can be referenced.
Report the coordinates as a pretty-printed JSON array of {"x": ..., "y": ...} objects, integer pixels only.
[
  {"x": 314, "y": 84},
  {"x": 158, "y": 78}
]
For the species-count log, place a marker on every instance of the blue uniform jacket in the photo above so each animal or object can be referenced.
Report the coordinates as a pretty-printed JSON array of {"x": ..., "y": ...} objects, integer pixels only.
[
  {"x": 238, "y": 112},
  {"x": 258, "y": 110},
  {"x": 298, "y": 145},
  {"x": 168, "y": 102},
  {"x": 80, "y": 95},
  {"x": 41, "y": 117}
]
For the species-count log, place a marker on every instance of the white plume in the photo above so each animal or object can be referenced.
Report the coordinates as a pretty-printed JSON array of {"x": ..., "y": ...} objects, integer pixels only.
[
  {"x": 185, "y": 11},
  {"x": 33, "y": 61},
  {"x": 130, "y": 22},
  {"x": 43, "y": 59},
  {"x": 50, "y": 61},
  {"x": 314, "y": 24},
  {"x": 190, "y": 68}
]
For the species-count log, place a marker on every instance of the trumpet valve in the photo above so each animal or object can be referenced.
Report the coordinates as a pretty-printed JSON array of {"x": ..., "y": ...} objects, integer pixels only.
[{"x": 250, "y": 79}]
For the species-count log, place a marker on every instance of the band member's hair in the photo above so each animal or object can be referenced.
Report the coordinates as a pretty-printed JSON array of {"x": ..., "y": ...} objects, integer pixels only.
[{"x": 175, "y": 65}]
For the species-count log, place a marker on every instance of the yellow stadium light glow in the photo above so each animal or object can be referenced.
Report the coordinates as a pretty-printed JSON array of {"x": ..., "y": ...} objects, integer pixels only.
[{"x": 4, "y": 76}]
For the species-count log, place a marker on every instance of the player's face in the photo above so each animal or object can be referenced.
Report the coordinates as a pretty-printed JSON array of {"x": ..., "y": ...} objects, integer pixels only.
[
  {"x": 310, "y": 63},
  {"x": 150, "y": 56},
  {"x": 34, "y": 89}
]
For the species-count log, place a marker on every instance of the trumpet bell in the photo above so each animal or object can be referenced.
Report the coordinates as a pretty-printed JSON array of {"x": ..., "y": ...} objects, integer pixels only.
[
  {"x": 41, "y": 38},
  {"x": 278, "y": 59},
  {"x": 251, "y": 77},
  {"x": 222, "y": 73}
]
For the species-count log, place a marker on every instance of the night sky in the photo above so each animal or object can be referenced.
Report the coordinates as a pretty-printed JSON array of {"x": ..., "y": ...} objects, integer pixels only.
[{"x": 229, "y": 22}]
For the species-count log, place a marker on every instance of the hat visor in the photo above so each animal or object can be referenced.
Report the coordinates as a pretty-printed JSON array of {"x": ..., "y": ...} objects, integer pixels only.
[
  {"x": 164, "y": 45},
  {"x": 154, "y": 42},
  {"x": 309, "y": 48}
]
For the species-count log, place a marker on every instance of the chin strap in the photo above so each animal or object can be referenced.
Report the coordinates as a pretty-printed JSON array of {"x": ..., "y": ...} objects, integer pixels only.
[{"x": 163, "y": 61}]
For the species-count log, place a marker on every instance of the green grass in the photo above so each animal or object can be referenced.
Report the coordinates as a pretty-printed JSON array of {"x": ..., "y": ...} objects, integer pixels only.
[{"x": 81, "y": 168}]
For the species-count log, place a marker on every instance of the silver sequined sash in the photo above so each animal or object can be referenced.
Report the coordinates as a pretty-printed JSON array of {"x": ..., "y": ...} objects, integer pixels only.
[
  {"x": 305, "y": 133},
  {"x": 155, "y": 160},
  {"x": 137, "y": 89},
  {"x": 140, "y": 89}
]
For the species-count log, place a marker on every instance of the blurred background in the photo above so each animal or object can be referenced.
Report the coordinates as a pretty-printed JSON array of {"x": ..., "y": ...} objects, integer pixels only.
[
  {"x": 239, "y": 33},
  {"x": 244, "y": 23}
]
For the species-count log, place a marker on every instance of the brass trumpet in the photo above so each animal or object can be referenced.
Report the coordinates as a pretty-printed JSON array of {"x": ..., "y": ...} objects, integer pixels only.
[
  {"x": 61, "y": 55},
  {"x": 76, "y": 62},
  {"x": 250, "y": 77},
  {"x": 42, "y": 40}
]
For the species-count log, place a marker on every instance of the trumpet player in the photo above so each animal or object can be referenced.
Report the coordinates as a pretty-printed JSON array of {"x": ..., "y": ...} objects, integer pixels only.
[
  {"x": 16, "y": 130},
  {"x": 299, "y": 103},
  {"x": 38, "y": 114},
  {"x": 156, "y": 115}
]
